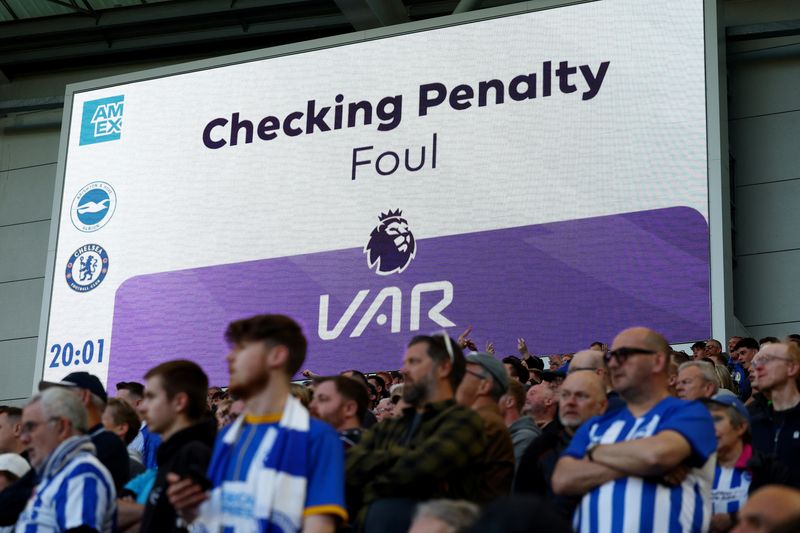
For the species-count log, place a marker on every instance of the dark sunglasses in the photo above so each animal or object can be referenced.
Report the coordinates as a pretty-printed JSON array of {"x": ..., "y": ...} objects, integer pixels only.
[{"x": 622, "y": 354}]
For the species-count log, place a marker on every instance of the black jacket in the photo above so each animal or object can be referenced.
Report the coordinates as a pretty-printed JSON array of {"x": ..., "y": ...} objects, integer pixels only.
[
  {"x": 778, "y": 433},
  {"x": 15, "y": 497},
  {"x": 537, "y": 464},
  {"x": 766, "y": 470},
  {"x": 111, "y": 451},
  {"x": 186, "y": 453}
]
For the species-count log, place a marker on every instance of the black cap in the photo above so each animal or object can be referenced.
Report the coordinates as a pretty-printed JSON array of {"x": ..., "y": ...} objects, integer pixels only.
[
  {"x": 79, "y": 380},
  {"x": 552, "y": 375},
  {"x": 534, "y": 363}
]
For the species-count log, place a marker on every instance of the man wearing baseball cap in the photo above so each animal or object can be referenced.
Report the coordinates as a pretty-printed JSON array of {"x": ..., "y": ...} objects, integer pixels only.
[
  {"x": 740, "y": 469},
  {"x": 12, "y": 468},
  {"x": 110, "y": 448},
  {"x": 485, "y": 381}
]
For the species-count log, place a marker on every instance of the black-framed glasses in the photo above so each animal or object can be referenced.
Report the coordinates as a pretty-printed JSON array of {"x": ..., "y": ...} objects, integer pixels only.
[
  {"x": 622, "y": 354},
  {"x": 573, "y": 369},
  {"x": 476, "y": 374}
]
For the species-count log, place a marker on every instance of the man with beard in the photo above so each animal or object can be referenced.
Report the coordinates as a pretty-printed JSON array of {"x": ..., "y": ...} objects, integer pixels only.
[
  {"x": 274, "y": 468},
  {"x": 433, "y": 450},
  {"x": 341, "y": 402}
]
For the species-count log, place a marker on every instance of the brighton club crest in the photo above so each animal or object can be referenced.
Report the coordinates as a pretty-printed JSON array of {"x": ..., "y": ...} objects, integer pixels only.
[{"x": 391, "y": 245}]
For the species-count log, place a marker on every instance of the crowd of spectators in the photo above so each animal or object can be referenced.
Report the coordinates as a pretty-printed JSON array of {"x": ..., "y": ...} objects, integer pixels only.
[{"x": 627, "y": 437}]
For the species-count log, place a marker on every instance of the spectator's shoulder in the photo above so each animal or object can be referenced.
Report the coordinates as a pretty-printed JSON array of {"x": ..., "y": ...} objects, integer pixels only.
[
  {"x": 672, "y": 406},
  {"x": 319, "y": 430},
  {"x": 90, "y": 466}
]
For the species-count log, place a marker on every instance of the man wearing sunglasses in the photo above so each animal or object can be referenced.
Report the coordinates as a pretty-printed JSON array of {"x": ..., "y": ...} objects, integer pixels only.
[
  {"x": 434, "y": 449},
  {"x": 649, "y": 463}
]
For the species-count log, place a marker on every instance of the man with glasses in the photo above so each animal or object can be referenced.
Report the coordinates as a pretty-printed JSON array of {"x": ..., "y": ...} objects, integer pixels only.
[
  {"x": 650, "y": 463},
  {"x": 581, "y": 397},
  {"x": 484, "y": 383},
  {"x": 593, "y": 361},
  {"x": 75, "y": 492},
  {"x": 776, "y": 429},
  {"x": 433, "y": 450},
  {"x": 713, "y": 347}
]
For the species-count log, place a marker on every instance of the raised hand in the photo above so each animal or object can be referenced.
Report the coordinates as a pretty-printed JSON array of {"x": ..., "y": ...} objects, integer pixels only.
[
  {"x": 185, "y": 495},
  {"x": 465, "y": 342},
  {"x": 490, "y": 347},
  {"x": 522, "y": 348}
]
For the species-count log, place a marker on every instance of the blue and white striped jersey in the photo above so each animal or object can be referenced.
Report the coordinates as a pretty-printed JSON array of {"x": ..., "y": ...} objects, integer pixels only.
[
  {"x": 731, "y": 486},
  {"x": 79, "y": 492},
  {"x": 634, "y": 504},
  {"x": 243, "y": 481}
]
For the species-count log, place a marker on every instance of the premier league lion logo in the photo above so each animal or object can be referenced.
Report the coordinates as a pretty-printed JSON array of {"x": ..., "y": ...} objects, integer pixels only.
[{"x": 391, "y": 245}]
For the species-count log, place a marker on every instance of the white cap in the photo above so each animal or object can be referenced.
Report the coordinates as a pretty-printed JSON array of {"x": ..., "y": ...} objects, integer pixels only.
[{"x": 14, "y": 463}]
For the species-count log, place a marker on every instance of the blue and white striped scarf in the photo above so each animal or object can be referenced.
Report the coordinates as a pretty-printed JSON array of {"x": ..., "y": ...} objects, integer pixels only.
[{"x": 272, "y": 496}]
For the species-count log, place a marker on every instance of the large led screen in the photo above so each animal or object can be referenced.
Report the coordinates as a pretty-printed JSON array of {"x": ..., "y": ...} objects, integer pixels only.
[{"x": 541, "y": 175}]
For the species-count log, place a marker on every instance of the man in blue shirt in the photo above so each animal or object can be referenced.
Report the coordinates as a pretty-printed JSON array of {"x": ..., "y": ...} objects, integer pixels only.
[
  {"x": 741, "y": 358},
  {"x": 649, "y": 464},
  {"x": 75, "y": 492},
  {"x": 274, "y": 468}
]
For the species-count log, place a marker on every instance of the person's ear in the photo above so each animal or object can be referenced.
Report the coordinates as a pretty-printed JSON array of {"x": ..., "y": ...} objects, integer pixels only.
[
  {"x": 277, "y": 356},
  {"x": 350, "y": 408},
  {"x": 181, "y": 402},
  {"x": 64, "y": 428},
  {"x": 443, "y": 369}
]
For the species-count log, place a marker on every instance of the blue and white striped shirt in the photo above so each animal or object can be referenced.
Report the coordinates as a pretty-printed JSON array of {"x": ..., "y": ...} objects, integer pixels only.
[
  {"x": 731, "y": 486},
  {"x": 634, "y": 504},
  {"x": 74, "y": 490}
]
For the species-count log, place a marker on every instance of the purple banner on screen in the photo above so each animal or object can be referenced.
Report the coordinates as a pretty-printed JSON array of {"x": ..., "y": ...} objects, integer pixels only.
[{"x": 560, "y": 286}]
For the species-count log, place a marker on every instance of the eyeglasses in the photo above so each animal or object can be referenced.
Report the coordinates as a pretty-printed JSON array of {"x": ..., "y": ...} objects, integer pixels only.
[
  {"x": 476, "y": 374},
  {"x": 29, "y": 427},
  {"x": 622, "y": 354},
  {"x": 581, "y": 369},
  {"x": 764, "y": 359},
  {"x": 448, "y": 344}
]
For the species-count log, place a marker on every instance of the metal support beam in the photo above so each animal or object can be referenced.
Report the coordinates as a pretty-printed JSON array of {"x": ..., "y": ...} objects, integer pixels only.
[
  {"x": 750, "y": 32},
  {"x": 227, "y": 33},
  {"x": 8, "y": 107},
  {"x": 71, "y": 5},
  {"x": 127, "y": 17},
  {"x": 369, "y": 14},
  {"x": 467, "y": 5},
  {"x": 8, "y": 8}
]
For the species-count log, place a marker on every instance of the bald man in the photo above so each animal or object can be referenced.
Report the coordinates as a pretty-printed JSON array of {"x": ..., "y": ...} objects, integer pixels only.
[
  {"x": 582, "y": 396},
  {"x": 592, "y": 361},
  {"x": 768, "y": 508},
  {"x": 647, "y": 462}
]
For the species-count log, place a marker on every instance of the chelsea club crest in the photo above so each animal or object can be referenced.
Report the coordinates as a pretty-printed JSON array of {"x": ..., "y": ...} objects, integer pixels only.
[{"x": 87, "y": 268}]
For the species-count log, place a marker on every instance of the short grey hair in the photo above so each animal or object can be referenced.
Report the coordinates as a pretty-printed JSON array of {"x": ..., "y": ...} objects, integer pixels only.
[
  {"x": 60, "y": 402},
  {"x": 458, "y": 514},
  {"x": 97, "y": 402},
  {"x": 706, "y": 369}
]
